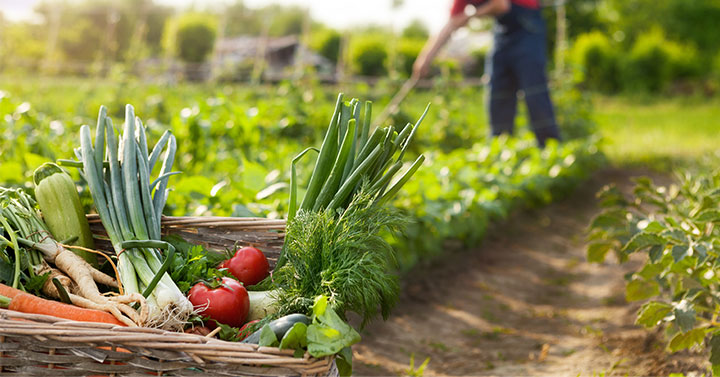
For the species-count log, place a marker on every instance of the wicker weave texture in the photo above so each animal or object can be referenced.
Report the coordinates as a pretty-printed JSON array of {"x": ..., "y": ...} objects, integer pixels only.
[
  {"x": 40, "y": 345},
  {"x": 36, "y": 344},
  {"x": 215, "y": 233}
]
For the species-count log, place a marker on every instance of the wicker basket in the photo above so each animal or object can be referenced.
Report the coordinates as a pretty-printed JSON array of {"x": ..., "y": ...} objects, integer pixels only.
[{"x": 32, "y": 344}]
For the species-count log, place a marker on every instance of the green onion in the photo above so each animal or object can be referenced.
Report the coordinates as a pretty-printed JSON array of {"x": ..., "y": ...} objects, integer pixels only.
[{"x": 130, "y": 208}]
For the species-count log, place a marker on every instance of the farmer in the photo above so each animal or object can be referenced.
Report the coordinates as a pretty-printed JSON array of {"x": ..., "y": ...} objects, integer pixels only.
[{"x": 516, "y": 62}]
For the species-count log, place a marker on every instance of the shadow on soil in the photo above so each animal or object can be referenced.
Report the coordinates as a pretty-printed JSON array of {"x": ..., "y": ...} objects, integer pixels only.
[{"x": 525, "y": 302}]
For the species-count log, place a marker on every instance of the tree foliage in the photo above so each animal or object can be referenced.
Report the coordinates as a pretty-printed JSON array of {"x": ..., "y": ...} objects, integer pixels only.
[
  {"x": 368, "y": 55},
  {"x": 416, "y": 29},
  {"x": 191, "y": 37}
]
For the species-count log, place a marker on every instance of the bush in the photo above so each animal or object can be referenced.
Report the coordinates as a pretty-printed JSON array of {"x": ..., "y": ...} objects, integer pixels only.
[
  {"x": 715, "y": 68},
  {"x": 416, "y": 30},
  {"x": 685, "y": 62},
  {"x": 191, "y": 37},
  {"x": 474, "y": 66},
  {"x": 655, "y": 61},
  {"x": 407, "y": 51},
  {"x": 649, "y": 65},
  {"x": 594, "y": 54},
  {"x": 368, "y": 55},
  {"x": 327, "y": 43}
]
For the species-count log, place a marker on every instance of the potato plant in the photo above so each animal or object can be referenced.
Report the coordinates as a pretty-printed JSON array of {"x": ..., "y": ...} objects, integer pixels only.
[{"x": 676, "y": 228}]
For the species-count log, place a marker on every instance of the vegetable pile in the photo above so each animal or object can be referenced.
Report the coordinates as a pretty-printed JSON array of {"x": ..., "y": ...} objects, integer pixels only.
[
  {"x": 676, "y": 229},
  {"x": 335, "y": 259}
]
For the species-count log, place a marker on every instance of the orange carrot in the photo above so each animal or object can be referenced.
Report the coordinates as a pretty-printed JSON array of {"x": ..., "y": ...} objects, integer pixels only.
[
  {"x": 9, "y": 291},
  {"x": 27, "y": 303}
]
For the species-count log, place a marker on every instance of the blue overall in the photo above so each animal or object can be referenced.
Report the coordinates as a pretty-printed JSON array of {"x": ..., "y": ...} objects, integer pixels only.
[{"x": 517, "y": 62}]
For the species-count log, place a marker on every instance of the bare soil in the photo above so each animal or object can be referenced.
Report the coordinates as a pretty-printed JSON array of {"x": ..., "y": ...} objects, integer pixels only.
[{"x": 524, "y": 303}]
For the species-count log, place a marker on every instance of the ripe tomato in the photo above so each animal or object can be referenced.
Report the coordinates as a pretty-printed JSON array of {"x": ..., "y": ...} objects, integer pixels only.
[
  {"x": 228, "y": 303},
  {"x": 249, "y": 265},
  {"x": 244, "y": 332}
]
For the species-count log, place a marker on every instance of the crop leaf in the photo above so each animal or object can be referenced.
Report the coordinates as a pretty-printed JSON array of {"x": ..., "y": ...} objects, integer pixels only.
[
  {"x": 642, "y": 240},
  {"x": 328, "y": 334},
  {"x": 675, "y": 235},
  {"x": 295, "y": 338},
  {"x": 654, "y": 227},
  {"x": 686, "y": 340},
  {"x": 655, "y": 253},
  {"x": 714, "y": 344},
  {"x": 679, "y": 252},
  {"x": 608, "y": 220},
  {"x": 652, "y": 313},
  {"x": 708, "y": 216},
  {"x": 651, "y": 270},
  {"x": 684, "y": 315},
  {"x": 639, "y": 289},
  {"x": 267, "y": 337},
  {"x": 597, "y": 251},
  {"x": 344, "y": 362}
]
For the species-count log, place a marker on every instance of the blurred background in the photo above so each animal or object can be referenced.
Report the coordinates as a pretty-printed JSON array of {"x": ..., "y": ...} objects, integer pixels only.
[
  {"x": 245, "y": 85},
  {"x": 611, "y": 45}
]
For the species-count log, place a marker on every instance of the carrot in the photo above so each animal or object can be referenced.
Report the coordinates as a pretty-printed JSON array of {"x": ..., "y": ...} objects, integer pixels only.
[
  {"x": 9, "y": 291},
  {"x": 27, "y": 303}
]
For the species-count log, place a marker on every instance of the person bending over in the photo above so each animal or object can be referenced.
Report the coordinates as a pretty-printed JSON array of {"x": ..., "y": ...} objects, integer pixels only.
[{"x": 516, "y": 62}]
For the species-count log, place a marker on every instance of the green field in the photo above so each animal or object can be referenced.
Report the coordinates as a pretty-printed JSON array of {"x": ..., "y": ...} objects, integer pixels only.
[
  {"x": 658, "y": 132},
  {"x": 235, "y": 144}
]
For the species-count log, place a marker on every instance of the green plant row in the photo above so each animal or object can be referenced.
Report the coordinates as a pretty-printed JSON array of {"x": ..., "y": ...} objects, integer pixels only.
[
  {"x": 234, "y": 144},
  {"x": 457, "y": 195},
  {"x": 675, "y": 227}
]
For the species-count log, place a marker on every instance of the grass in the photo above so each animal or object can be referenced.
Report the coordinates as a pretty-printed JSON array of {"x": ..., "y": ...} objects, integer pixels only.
[{"x": 660, "y": 133}]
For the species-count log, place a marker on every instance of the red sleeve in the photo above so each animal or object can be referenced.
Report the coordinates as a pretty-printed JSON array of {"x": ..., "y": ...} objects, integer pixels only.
[{"x": 458, "y": 6}]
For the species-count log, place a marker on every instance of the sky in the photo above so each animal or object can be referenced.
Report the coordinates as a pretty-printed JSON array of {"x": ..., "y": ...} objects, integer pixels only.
[{"x": 339, "y": 14}]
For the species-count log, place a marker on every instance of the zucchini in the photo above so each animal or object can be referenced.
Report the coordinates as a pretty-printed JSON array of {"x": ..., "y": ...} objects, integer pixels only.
[
  {"x": 60, "y": 205},
  {"x": 279, "y": 326}
]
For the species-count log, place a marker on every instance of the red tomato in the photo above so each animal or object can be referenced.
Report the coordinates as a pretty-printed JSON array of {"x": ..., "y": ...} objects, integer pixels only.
[
  {"x": 249, "y": 265},
  {"x": 244, "y": 332},
  {"x": 228, "y": 303}
]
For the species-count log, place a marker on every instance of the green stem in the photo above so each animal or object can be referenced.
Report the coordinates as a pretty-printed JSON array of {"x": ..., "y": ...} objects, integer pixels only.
[
  {"x": 16, "y": 247},
  {"x": 163, "y": 268},
  {"x": 4, "y": 302},
  {"x": 64, "y": 297}
]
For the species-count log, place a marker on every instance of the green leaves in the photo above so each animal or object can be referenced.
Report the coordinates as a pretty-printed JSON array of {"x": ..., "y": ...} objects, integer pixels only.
[
  {"x": 597, "y": 251},
  {"x": 714, "y": 345},
  {"x": 684, "y": 315},
  {"x": 295, "y": 338},
  {"x": 708, "y": 216},
  {"x": 682, "y": 253},
  {"x": 639, "y": 289},
  {"x": 652, "y": 313},
  {"x": 328, "y": 334},
  {"x": 192, "y": 263},
  {"x": 643, "y": 240},
  {"x": 267, "y": 337},
  {"x": 686, "y": 340}
]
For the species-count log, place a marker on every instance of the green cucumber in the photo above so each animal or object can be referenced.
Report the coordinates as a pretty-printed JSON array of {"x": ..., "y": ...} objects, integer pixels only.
[{"x": 279, "y": 326}]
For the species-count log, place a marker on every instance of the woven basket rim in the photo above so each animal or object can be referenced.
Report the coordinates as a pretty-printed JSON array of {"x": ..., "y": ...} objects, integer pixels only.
[{"x": 201, "y": 351}]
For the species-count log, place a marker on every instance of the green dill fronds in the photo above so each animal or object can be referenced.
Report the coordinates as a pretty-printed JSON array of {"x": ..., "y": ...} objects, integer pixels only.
[{"x": 343, "y": 256}]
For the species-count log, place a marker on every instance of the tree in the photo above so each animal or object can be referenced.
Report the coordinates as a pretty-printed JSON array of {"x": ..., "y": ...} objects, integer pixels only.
[
  {"x": 416, "y": 30},
  {"x": 368, "y": 54},
  {"x": 191, "y": 37}
]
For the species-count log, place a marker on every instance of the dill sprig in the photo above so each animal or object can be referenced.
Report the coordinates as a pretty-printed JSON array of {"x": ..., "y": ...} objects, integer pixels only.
[{"x": 342, "y": 255}]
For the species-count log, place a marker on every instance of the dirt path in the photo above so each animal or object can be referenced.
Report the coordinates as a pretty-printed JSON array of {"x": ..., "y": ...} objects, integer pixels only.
[{"x": 524, "y": 303}]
